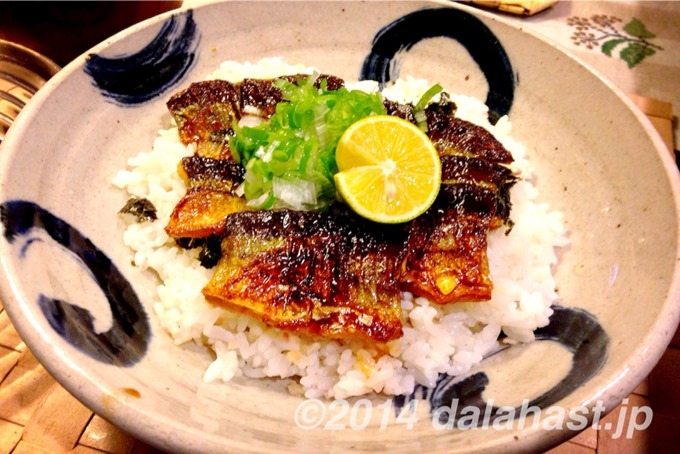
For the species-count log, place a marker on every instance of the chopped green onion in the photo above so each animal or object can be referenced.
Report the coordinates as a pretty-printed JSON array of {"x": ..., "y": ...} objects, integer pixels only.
[
  {"x": 427, "y": 96},
  {"x": 419, "y": 108},
  {"x": 421, "y": 119},
  {"x": 290, "y": 159}
]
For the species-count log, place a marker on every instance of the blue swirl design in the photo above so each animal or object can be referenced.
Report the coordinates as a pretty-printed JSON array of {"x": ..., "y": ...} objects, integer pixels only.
[
  {"x": 575, "y": 329},
  {"x": 483, "y": 46},
  {"x": 126, "y": 342},
  {"x": 136, "y": 78}
]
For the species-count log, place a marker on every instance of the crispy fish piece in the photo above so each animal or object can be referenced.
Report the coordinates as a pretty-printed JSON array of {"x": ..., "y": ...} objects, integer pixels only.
[
  {"x": 210, "y": 197},
  {"x": 403, "y": 111},
  {"x": 491, "y": 176},
  {"x": 451, "y": 135},
  {"x": 314, "y": 273},
  {"x": 446, "y": 251},
  {"x": 202, "y": 212},
  {"x": 204, "y": 114},
  {"x": 260, "y": 96},
  {"x": 206, "y": 111},
  {"x": 454, "y": 136},
  {"x": 219, "y": 174}
]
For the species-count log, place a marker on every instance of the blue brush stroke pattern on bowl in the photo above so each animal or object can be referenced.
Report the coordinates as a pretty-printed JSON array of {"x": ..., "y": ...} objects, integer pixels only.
[
  {"x": 126, "y": 342},
  {"x": 399, "y": 36},
  {"x": 575, "y": 329},
  {"x": 139, "y": 77}
]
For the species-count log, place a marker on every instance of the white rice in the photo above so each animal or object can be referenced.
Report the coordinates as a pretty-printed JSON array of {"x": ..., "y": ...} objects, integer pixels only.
[{"x": 437, "y": 339}]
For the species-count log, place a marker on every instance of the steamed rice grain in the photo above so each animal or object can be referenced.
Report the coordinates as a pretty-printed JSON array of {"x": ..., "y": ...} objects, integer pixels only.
[{"x": 437, "y": 338}]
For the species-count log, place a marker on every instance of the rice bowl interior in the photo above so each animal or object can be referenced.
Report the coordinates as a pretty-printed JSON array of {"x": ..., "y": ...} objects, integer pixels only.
[{"x": 447, "y": 339}]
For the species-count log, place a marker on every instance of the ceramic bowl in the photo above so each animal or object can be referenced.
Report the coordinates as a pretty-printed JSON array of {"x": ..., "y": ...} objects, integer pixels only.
[{"x": 86, "y": 314}]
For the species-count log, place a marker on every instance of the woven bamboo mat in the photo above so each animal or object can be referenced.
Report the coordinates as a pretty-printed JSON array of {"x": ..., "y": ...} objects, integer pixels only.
[{"x": 37, "y": 415}]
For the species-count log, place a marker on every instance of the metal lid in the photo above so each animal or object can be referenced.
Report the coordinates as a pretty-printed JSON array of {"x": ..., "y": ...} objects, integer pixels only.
[{"x": 22, "y": 73}]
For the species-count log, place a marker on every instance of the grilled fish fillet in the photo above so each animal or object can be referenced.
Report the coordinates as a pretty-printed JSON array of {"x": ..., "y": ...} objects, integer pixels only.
[
  {"x": 313, "y": 273},
  {"x": 210, "y": 197},
  {"x": 204, "y": 114},
  {"x": 446, "y": 258},
  {"x": 446, "y": 251}
]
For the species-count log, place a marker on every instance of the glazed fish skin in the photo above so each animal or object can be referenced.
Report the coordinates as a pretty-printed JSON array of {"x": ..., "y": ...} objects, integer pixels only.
[
  {"x": 311, "y": 273},
  {"x": 403, "y": 111},
  {"x": 208, "y": 172},
  {"x": 210, "y": 197},
  {"x": 494, "y": 177},
  {"x": 260, "y": 96},
  {"x": 205, "y": 113},
  {"x": 202, "y": 212},
  {"x": 454, "y": 136},
  {"x": 451, "y": 135},
  {"x": 446, "y": 251}
]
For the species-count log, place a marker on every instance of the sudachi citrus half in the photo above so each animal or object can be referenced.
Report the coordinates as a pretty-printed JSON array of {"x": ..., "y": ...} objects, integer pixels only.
[{"x": 388, "y": 170}]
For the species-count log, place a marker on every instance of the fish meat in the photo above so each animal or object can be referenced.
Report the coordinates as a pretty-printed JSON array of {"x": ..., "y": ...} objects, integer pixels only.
[
  {"x": 310, "y": 272},
  {"x": 491, "y": 176},
  {"x": 204, "y": 114},
  {"x": 210, "y": 197},
  {"x": 446, "y": 251}
]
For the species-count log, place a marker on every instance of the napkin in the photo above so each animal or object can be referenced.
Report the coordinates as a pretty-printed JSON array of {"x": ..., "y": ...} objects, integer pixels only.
[{"x": 523, "y": 7}]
